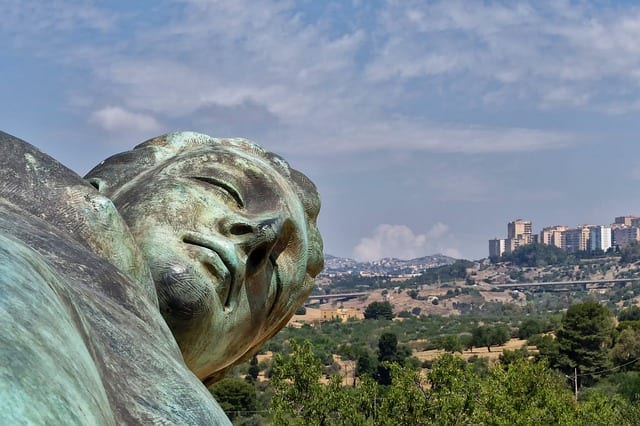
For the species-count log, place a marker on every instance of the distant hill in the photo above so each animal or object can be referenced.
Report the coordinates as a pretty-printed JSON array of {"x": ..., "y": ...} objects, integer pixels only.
[{"x": 337, "y": 266}]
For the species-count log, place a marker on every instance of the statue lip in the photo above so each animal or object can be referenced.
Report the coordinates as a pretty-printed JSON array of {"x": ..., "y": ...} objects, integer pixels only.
[{"x": 222, "y": 259}]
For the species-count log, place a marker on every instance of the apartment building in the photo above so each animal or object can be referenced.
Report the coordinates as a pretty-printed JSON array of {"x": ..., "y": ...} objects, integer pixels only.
[
  {"x": 625, "y": 235},
  {"x": 553, "y": 236},
  {"x": 497, "y": 247},
  {"x": 600, "y": 238},
  {"x": 626, "y": 220},
  {"x": 623, "y": 231},
  {"x": 520, "y": 230},
  {"x": 518, "y": 234},
  {"x": 513, "y": 243},
  {"x": 577, "y": 239}
]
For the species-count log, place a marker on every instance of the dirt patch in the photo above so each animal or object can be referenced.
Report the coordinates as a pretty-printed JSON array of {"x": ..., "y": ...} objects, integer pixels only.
[{"x": 512, "y": 344}]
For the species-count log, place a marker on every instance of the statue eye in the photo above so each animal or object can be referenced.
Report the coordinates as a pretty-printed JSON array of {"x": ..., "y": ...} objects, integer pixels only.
[{"x": 230, "y": 190}]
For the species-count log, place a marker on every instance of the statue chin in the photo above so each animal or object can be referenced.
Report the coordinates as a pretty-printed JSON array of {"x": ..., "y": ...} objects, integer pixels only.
[{"x": 123, "y": 291}]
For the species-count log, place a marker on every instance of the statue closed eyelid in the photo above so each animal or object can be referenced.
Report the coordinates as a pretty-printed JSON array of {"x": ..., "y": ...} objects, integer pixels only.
[{"x": 222, "y": 185}]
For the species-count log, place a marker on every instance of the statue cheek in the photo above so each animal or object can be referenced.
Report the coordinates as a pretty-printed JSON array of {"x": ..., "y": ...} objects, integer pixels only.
[{"x": 183, "y": 295}]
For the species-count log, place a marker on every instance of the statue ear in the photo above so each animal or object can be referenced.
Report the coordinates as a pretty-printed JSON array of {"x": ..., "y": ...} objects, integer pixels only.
[{"x": 97, "y": 183}]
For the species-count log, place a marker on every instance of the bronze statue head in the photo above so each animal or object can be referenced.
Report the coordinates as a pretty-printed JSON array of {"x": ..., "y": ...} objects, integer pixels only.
[{"x": 229, "y": 233}]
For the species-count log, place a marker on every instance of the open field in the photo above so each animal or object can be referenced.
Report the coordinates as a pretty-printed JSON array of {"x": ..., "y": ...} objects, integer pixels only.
[{"x": 512, "y": 344}]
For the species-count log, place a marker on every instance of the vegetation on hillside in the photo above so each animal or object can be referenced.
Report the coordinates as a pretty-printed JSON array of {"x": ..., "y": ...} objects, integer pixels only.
[
  {"x": 583, "y": 345},
  {"x": 533, "y": 255},
  {"x": 306, "y": 385},
  {"x": 630, "y": 253},
  {"x": 523, "y": 392}
]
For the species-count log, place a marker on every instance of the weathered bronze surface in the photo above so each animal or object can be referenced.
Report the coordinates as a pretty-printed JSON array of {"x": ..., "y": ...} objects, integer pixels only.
[{"x": 122, "y": 292}]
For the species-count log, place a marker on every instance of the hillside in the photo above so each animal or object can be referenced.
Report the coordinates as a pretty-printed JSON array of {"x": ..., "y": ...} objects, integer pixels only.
[
  {"x": 454, "y": 287},
  {"x": 338, "y": 266}
]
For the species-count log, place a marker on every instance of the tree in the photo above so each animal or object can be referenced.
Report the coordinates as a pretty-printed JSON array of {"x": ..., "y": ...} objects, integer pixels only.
[
  {"x": 454, "y": 389},
  {"x": 236, "y": 397},
  {"x": 300, "y": 399},
  {"x": 490, "y": 336},
  {"x": 630, "y": 253},
  {"x": 584, "y": 340},
  {"x": 296, "y": 386},
  {"x": 530, "y": 327},
  {"x": 548, "y": 349},
  {"x": 379, "y": 310},
  {"x": 630, "y": 314},
  {"x": 508, "y": 357},
  {"x": 499, "y": 335},
  {"x": 389, "y": 352},
  {"x": 627, "y": 348},
  {"x": 365, "y": 365},
  {"x": 298, "y": 396},
  {"x": 533, "y": 255},
  {"x": 520, "y": 393},
  {"x": 480, "y": 337},
  {"x": 406, "y": 401},
  {"x": 524, "y": 393},
  {"x": 451, "y": 343},
  {"x": 254, "y": 369}
]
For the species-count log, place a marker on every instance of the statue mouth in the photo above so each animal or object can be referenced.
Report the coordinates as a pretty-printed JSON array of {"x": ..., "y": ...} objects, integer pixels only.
[{"x": 219, "y": 262}]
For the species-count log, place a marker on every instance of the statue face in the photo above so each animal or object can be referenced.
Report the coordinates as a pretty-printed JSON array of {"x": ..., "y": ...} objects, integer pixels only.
[{"x": 226, "y": 240}]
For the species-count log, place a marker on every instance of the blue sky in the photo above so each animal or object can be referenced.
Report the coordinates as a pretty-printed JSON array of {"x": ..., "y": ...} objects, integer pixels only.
[{"x": 426, "y": 125}]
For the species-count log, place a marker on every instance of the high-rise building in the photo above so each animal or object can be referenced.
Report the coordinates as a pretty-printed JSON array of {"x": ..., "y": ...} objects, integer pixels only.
[
  {"x": 553, "y": 236},
  {"x": 520, "y": 230},
  {"x": 496, "y": 247},
  {"x": 626, "y": 220},
  {"x": 577, "y": 239},
  {"x": 599, "y": 238},
  {"x": 623, "y": 236},
  {"x": 518, "y": 234}
]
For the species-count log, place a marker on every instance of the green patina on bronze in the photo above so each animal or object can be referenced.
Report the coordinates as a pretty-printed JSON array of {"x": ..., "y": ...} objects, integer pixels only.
[{"x": 122, "y": 292}]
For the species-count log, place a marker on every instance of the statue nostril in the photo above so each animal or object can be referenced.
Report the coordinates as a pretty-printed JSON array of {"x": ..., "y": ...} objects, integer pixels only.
[
  {"x": 240, "y": 229},
  {"x": 257, "y": 258},
  {"x": 258, "y": 242}
]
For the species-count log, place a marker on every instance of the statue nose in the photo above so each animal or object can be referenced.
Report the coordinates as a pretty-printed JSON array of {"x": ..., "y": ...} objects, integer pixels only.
[{"x": 257, "y": 240}]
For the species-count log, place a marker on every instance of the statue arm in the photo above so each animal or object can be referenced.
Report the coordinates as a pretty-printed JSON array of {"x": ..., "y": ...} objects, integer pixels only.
[{"x": 47, "y": 374}]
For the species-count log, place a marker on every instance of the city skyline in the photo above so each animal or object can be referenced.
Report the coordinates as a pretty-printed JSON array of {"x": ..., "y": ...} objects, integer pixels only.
[
  {"x": 423, "y": 124},
  {"x": 584, "y": 237}
]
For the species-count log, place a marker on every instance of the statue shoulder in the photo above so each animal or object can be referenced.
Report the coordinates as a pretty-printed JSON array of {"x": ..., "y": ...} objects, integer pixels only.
[
  {"x": 41, "y": 186},
  {"x": 81, "y": 343}
]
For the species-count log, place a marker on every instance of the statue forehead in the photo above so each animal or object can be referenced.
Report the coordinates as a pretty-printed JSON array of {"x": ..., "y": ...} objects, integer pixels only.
[
  {"x": 200, "y": 150},
  {"x": 179, "y": 141},
  {"x": 218, "y": 159}
]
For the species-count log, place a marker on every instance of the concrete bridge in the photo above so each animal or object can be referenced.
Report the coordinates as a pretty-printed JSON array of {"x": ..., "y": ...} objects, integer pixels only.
[
  {"x": 557, "y": 285},
  {"x": 338, "y": 296}
]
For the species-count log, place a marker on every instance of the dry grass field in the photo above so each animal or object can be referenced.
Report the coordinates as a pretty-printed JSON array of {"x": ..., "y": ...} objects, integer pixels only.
[{"x": 512, "y": 344}]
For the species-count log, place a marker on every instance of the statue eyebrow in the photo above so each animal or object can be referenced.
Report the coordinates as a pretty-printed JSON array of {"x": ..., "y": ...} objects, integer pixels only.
[{"x": 223, "y": 185}]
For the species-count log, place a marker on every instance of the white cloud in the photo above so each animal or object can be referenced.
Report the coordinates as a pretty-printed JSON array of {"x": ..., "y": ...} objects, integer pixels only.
[
  {"x": 347, "y": 86},
  {"x": 530, "y": 48},
  {"x": 45, "y": 24},
  {"x": 321, "y": 85},
  {"x": 414, "y": 136},
  {"x": 401, "y": 242},
  {"x": 119, "y": 120}
]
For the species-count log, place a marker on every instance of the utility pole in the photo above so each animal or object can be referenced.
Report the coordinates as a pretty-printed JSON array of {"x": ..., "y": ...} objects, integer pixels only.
[{"x": 575, "y": 382}]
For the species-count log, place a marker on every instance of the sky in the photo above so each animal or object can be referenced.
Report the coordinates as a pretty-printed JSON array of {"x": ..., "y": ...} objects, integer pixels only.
[{"x": 426, "y": 125}]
